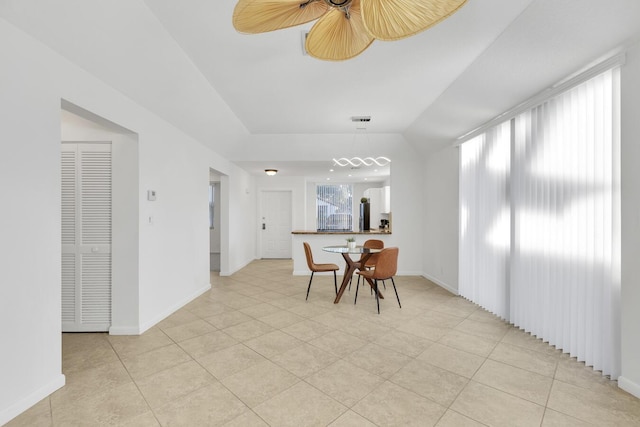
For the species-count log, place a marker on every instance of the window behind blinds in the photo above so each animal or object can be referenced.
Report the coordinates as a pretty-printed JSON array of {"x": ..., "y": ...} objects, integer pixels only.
[
  {"x": 539, "y": 223},
  {"x": 334, "y": 207}
]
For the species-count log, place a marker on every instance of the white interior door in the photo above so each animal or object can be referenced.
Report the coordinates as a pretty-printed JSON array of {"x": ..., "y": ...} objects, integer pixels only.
[
  {"x": 275, "y": 224},
  {"x": 86, "y": 237}
]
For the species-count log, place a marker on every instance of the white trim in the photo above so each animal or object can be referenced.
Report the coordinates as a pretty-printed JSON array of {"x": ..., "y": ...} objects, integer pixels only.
[
  {"x": 629, "y": 386},
  {"x": 124, "y": 330},
  {"x": 232, "y": 272},
  {"x": 92, "y": 327},
  {"x": 401, "y": 273},
  {"x": 172, "y": 309},
  {"x": 19, "y": 407},
  {"x": 560, "y": 87},
  {"x": 441, "y": 284}
]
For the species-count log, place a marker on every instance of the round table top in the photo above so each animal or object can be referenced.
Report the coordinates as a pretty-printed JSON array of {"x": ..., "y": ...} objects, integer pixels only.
[{"x": 342, "y": 249}]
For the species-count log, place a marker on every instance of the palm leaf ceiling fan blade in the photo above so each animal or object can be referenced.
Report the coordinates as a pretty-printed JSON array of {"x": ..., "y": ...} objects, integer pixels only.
[
  {"x": 260, "y": 16},
  {"x": 338, "y": 36},
  {"x": 397, "y": 19}
]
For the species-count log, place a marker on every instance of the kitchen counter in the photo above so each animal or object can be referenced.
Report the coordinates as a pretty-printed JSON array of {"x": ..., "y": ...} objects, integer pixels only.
[{"x": 372, "y": 231}]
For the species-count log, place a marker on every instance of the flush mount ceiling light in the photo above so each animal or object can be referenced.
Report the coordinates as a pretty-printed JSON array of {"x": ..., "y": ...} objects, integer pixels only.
[
  {"x": 345, "y": 28},
  {"x": 271, "y": 172}
]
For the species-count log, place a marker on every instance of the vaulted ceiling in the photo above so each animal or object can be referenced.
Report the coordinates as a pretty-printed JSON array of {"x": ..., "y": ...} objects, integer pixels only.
[{"x": 184, "y": 61}]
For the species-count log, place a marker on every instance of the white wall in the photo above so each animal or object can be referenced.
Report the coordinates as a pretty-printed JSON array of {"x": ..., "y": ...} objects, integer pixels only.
[
  {"x": 630, "y": 330},
  {"x": 30, "y": 360},
  {"x": 174, "y": 238},
  {"x": 440, "y": 249},
  {"x": 310, "y": 204},
  {"x": 407, "y": 210},
  {"x": 173, "y": 252},
  {"x": 238, "y": 233}
]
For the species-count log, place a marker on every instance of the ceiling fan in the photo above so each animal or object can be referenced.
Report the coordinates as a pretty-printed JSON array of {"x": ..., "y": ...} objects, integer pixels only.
[{"x": 345, "y": 28}]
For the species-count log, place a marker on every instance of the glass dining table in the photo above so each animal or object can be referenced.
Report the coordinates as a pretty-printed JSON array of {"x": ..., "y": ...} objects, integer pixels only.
[{"x": 352, "y": 265}]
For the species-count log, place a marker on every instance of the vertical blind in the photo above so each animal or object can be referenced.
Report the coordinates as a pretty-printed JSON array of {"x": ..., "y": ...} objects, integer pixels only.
[
  {"x": 484, "y": 214},
  {"x": 540, "y": 232},
  {"x": 334, "y": 207}
]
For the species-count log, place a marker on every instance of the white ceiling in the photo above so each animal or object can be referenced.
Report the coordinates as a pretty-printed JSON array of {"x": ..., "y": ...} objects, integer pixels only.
[
  {"x": 184, "y": 61},
  {"x": 391, "y": 81}
]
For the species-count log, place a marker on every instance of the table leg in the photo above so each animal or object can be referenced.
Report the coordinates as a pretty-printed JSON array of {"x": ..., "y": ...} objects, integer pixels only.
[{"x": 349, "y": 270}]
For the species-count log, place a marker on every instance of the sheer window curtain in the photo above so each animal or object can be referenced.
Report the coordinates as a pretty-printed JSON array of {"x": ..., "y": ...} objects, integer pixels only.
[{"x": 562, "y": 282}]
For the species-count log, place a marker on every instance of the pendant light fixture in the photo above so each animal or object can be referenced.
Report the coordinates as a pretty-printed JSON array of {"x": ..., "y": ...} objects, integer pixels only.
[{"x": 357, "y": 161}]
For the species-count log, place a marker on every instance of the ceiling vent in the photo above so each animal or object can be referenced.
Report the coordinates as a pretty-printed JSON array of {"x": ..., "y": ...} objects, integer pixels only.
[{"x": 360, "y": 119}]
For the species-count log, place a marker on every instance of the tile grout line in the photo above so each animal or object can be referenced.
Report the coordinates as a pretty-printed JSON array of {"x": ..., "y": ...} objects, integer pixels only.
[{"x": 134, "y": 382}]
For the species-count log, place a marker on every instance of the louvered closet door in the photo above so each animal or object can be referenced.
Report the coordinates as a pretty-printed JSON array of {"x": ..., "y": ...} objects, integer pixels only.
[{"x": 86, "y": 237}]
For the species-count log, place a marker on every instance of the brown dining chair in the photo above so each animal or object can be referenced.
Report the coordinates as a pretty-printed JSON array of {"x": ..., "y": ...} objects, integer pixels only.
[
  {"x": 371, "y": 261},
  {"x": 318, "y": 268},
  {"x": 386, "y": 267}
]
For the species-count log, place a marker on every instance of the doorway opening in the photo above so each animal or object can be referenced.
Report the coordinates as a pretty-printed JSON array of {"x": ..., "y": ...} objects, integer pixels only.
[
  {"x": 215, "y": 237},
  {"x": 110, "y": 256}
]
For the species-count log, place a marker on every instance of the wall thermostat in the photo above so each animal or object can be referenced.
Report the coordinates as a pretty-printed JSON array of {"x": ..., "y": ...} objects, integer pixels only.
[{"x": 151, "y": 195}]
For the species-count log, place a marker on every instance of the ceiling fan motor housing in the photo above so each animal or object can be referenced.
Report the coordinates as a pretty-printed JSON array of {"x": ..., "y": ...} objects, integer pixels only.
[{"x": 338, "y": 3}]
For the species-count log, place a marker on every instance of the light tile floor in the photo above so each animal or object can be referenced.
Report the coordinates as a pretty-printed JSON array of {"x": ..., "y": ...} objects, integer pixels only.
[{"x": 252, "y": 352}]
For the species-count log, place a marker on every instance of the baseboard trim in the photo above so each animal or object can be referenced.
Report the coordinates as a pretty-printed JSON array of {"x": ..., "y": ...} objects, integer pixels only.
[
  {"x": 231, "y": 272},
  {"x": 629, "y": 386},
  {"x": 408, "y": 273},
  {"x": 124, "y": 330},
  {"x": 441, "y": 284},
  {"x": 19, "y": 407},
  {"x": 172, "y": 309}
]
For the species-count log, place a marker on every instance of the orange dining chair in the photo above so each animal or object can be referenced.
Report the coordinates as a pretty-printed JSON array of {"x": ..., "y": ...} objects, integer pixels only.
[
  {"x": 386, "y": 267},
  {"x": 318, "y": 268},
  {"x": 371, "y": 261}
]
